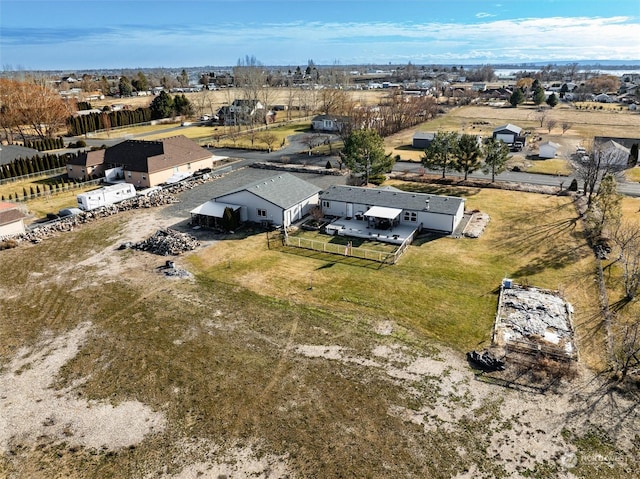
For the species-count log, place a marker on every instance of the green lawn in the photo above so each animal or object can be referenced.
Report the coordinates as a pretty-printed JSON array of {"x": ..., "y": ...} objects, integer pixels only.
[{"x": 444, "y": 288}]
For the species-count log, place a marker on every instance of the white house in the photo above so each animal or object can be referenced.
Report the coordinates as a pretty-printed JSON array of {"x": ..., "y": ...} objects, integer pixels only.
[
  {"x": 613, "y": 153},
  {"x": 280, "y": 200},
  {"x": 548, "y": 149},
  {"x": 328, "y": 122},
  {"x": 393, "y": 206},
  {"x": 11, "y": 220}
]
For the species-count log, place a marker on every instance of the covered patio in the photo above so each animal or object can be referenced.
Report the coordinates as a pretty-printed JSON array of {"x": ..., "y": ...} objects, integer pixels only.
[
  {"x": 212, "y": 215},
  {"x": 378, "y": 223}
]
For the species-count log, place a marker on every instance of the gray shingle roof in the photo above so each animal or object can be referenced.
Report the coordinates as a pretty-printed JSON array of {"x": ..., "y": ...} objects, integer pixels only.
[
  {"x": 283, "y": 190},
  {"x": 509, "y": 127},
  {"x": 393, "y": 199}
]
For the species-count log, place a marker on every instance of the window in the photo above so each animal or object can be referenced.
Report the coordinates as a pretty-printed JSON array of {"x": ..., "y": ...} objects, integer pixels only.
[
  {"x": 326, "y": 204},
  {"x": 410, "y": 216},
  {"x": 129, "y": 174},
  {"x": 262, "y": 213}
]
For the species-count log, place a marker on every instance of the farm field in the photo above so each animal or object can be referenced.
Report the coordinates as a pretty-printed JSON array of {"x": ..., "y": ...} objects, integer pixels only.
[{"x": 279, "y": 364}]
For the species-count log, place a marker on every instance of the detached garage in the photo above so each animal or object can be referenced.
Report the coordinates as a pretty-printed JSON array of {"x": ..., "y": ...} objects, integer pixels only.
[
  {"x": 509, "y": 134},
  {"x": 279, "y": 201}
]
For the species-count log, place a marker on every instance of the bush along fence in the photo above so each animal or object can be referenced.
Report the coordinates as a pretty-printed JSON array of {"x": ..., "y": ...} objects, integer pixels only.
[
  {"x": 46, "y": 190},
  {"x": 38, "y": 165}
]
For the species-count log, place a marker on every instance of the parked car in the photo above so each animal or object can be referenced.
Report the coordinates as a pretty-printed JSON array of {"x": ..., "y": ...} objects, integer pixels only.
[{"x": 69, "y": 212}]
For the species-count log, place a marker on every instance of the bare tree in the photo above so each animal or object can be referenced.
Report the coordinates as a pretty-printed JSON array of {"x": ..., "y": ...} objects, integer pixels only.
[
  {"x": 599, "y": 162},
  {"x": 627, "y": 348},
  {"x": 31, "y": 107},
  {"x": 540, "y": 116},
  {"x": 311, "y": 140},
  {"x": 626, "y": 238},
  {"x": 566, "y": 126},
  {"x": 551, "y": 124},
  {"x": 268, "y": 138}
]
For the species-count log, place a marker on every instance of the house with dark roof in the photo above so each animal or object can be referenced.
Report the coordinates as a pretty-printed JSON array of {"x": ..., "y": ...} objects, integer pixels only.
[
  {"x": 11, "y": 220},
  {"x": 242, "y": 112},
  {"x": 279, "y": 200},
  {"x": 385, "y": 208},
  {"x": 144, "y": 163}
]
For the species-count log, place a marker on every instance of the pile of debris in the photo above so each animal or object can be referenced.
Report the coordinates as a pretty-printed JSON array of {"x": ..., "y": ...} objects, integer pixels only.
[
  {"x": 161, "y": 197},
  {"x": 476, "y": 225},
  {"x": 537, "y": 317},
  {"x": 167, "y": 242}
]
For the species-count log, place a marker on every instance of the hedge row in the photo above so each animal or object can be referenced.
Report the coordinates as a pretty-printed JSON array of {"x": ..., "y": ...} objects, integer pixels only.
[
  {"x": 35, "y": 164},
  {"x": 79, "y": 125},
  {"x": 46, "y": 144}
]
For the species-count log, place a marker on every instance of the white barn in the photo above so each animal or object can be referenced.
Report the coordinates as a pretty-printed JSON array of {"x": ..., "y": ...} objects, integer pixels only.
[
  {"x": 416, "y": 210},
  {"x": 280, "y": 201}
]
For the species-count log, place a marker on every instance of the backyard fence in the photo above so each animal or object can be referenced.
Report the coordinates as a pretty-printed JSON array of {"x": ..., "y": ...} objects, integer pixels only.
[
  {"x": 347, "y": 250},
  {"x": 54, "y": 191},
  {"x": 14, "y": 179}
]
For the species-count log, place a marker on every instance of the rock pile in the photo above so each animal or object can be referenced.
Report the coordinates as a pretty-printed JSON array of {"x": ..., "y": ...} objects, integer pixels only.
[
  {"x": 167, "y": 242},
  {"x": 161, "y": 197}
]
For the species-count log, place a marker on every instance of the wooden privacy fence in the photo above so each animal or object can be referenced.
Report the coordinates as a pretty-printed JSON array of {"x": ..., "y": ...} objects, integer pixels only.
[{"x": 383, "y": 257}]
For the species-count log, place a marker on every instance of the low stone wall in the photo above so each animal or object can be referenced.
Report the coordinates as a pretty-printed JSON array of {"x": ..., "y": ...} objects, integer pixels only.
[{"x": 299, "y": 168}]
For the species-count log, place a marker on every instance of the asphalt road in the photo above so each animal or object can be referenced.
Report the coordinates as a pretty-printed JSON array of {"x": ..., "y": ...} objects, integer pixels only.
[{"x": 295, "y": 151}]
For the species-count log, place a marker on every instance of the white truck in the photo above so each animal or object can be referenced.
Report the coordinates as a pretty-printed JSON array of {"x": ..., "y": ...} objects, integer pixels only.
[{"x": 107, "y": 195}]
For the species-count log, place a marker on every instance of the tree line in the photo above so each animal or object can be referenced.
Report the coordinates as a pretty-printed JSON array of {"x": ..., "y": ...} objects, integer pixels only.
[
  {"x": 81, "y": 124},
  {"x": 35, "y": 164},
  {"x": 465, "y": 154},
  {"x": 46, "y": 144}
]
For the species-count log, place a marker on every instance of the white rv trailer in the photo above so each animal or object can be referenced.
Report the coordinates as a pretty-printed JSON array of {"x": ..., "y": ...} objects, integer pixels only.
[{"x": 106, "y": 195}]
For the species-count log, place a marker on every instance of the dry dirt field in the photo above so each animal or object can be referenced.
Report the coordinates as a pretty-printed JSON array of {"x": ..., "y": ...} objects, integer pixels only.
[{"x": 111, "y": 369}]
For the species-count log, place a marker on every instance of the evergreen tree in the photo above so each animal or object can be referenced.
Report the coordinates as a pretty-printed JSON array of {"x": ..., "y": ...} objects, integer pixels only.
[
  {"x": 161, "y": 106},
  {"x": 517, "y": 97},
  {"x": 364, "y": 152},
  {"x": 124, "y": 86},
  {"x": 539, "y": 96},
  {"x": 438, "y": 155},
  {"x": 467, "y": 155},
  {"x": 496, "y": 156},
  {"x": 552, "y": 101}
]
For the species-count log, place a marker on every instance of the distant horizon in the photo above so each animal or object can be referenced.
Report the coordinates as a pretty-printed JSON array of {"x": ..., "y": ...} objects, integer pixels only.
[
  {"x": 69, "y": 35},
  {"x": 582, "y": 65}
]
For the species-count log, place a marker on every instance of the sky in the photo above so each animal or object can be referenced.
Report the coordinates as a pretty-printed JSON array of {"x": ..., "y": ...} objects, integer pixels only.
[{"x": 73, "y": 35}]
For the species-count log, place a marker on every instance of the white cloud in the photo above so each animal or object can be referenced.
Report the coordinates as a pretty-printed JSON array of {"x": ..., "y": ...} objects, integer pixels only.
[{"x": 484, "y": 15}]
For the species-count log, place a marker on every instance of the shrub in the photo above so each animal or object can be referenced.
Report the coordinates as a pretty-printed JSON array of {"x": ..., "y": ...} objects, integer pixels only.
[
  {"x": 8, "y": 244},
  {"x": 574, "y": 185}
]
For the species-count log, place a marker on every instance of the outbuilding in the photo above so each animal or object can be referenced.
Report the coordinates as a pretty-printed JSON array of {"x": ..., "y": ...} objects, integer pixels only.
[
  {"x": 548, "y": 149},
  {"x": 422, "y": 139},
  {"x": 279, "y": 201},
  {"x": 509, "y": 134},
  {"x": 11, "y": 220}
]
